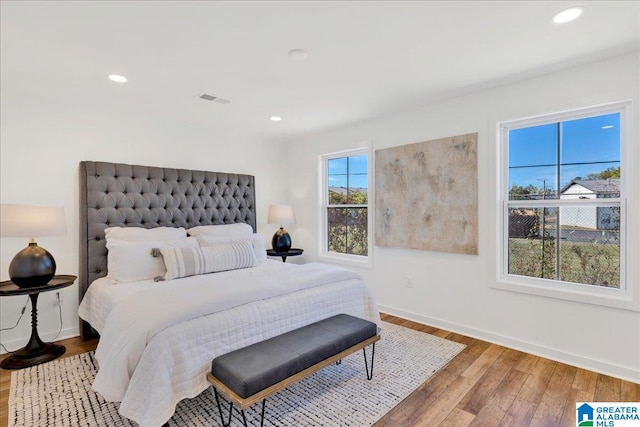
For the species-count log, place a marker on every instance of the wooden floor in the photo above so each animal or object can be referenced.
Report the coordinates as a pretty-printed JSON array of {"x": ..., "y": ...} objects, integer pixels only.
[{"x": 485, "y": 385}]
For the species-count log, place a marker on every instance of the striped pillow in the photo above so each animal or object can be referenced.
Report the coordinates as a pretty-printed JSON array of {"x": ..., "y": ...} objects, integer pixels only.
[{"x": 184, "y": 262}]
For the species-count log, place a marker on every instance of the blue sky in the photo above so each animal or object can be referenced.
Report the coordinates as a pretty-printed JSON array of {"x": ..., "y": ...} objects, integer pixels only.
[
  {"x": 533, "y": 151},
  {"x": 532, "y": 154},
  {"x": 353, "y": 169}
]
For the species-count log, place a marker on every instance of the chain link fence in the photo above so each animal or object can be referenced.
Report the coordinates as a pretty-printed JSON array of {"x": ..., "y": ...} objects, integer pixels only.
[{"x": 572, "y": 244}]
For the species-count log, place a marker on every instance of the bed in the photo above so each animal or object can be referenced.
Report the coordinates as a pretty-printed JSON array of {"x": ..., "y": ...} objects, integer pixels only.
[{"x": 157, "y": 338}]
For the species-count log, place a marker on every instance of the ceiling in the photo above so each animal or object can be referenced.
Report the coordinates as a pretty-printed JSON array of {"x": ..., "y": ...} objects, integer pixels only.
[{"x": 366, "y": 58}]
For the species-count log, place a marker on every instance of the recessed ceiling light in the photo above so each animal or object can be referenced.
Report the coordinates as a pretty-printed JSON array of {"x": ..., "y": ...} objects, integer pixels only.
[
  {"x": 276, "y": 118},
  {"x": 567, "y": 15},
  {"x": 607, "y": 127},
  {"x": 118, "y": 79},
  {"x": 298, "y": 55}
]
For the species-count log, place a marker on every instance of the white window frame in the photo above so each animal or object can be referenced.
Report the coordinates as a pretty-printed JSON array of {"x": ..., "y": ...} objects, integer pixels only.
[
  {"x": 626, "y": 296},
  {"x": 323, "y": 202}
]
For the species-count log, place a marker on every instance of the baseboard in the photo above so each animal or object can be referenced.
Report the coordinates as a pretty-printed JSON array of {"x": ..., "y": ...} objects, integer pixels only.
[
  {"x": 627, "y": 374},
  {"x": 44, "y": 336}
]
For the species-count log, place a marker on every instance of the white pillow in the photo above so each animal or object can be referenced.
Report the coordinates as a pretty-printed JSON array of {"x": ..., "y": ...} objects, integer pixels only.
[
  {"x": 257, "y": 240},
  {"x": 239, "y": 228},
  {"x": 185, "y": 262},
  {"x": 132, "y": 261},
  {"x": 139, "y": 234}
]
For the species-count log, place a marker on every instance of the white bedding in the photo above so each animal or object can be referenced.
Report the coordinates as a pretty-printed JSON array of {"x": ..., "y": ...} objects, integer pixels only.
[{"x": 158, "y": 339}]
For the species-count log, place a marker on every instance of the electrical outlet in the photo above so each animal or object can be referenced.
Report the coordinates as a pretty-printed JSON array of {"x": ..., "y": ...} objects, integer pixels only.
[{"x": 408, "y": 282}]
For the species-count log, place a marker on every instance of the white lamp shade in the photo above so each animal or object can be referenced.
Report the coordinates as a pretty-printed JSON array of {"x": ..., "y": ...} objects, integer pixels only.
[
  {"x": 32, "y": 221},
  {"x": 281, "y": 214}
]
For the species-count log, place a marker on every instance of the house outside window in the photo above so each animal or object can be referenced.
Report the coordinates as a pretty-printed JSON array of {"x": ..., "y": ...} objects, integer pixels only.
[
  {"x": 345, "y": 229},
  {"x": 563, "y": 205}
]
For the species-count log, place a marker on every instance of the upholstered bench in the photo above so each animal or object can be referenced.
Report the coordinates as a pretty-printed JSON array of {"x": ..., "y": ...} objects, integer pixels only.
[{"x": 253, "y": 373}]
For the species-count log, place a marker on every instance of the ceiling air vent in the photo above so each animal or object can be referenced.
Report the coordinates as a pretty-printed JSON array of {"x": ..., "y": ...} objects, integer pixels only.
[{"x": 208, "y": 97}]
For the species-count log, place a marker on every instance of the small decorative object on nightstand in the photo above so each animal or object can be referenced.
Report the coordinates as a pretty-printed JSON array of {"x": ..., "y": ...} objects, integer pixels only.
[
  {"x": 36, "y": 351},
  {"x": 284, "y": 255},
  {"x": 33, "y": 266},
  {"x": 281, "y": 214}
]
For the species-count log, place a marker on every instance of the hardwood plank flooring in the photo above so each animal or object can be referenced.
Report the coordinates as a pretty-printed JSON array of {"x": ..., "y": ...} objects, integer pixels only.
[
  {"x": 510, "y": 388},
  {"x": 486, "y": 385}
]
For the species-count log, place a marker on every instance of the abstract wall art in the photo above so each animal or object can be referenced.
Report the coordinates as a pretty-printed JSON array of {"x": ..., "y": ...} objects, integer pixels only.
[{"x": 426, "y": 195}]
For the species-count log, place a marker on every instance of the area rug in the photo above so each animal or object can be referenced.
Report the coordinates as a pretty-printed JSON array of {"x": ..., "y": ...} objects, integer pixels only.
[{"x": 59, "y": 393}]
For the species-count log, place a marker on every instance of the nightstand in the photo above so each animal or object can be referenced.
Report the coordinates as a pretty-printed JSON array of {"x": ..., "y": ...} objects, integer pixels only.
[
  {"x": 284, "y": 255},
  {"x": 36, "y": 351}
]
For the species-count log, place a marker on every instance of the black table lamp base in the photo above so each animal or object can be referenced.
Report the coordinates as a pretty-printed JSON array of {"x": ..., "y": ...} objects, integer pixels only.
[
  {"x": 281, "y": 241},
  {"x": 32, "y": 266}
]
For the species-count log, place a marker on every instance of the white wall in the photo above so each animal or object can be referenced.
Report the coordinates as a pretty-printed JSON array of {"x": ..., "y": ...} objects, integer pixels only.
[
  {"x": 454, "y": 291},
  {"x": 46, "y": 133}
]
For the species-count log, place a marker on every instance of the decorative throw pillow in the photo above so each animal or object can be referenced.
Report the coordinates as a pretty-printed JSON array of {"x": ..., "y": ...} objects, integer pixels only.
[
  {"x": 222, "y": 230},
  {"x": 132, "y": 261},
  {"x": 257, "y": 240},
  {"x": 184, "y": 262},
  {"x": 139, "y": 234}
]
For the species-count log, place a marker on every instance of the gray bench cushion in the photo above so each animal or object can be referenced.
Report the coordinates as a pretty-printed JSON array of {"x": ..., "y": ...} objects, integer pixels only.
[{"x": 251, "y": 369}]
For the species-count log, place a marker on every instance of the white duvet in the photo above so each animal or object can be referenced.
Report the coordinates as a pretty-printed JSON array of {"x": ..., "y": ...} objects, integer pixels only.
[{"x": 158, "y": 339}]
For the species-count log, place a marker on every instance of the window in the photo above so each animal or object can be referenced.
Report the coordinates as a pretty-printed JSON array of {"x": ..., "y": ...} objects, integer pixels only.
[
  {"x": 345, "y": 198},
  {"x": 563, "y": 205}
]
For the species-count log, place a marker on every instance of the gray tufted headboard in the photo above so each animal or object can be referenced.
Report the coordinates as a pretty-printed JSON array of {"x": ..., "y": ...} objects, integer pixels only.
[{"x": 120, "y": 195}]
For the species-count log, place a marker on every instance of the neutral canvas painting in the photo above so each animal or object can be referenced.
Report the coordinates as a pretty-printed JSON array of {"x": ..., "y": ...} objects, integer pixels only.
[{"x": 426, "y": 195}]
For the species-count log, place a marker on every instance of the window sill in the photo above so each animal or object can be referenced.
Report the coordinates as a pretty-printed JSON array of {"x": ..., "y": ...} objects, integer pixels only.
[{"x": 587, "y": 294}]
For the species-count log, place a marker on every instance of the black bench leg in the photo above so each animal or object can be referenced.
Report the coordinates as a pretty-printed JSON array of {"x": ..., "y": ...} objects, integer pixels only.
[
  {"x": 244, "y": 418},
  {"x": 366, "y": 366},
  {"x": 264, "y": 401},
  {"x": 220, "y": 409}
]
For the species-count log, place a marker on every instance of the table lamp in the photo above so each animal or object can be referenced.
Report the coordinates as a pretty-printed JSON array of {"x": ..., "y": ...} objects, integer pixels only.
[
  {"x": 281, "y": 214},
  {"x": 32, "y": 266}
]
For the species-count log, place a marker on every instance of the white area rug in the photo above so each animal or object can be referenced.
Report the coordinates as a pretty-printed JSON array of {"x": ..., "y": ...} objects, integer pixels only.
[{"x": 59, "y": 393}]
